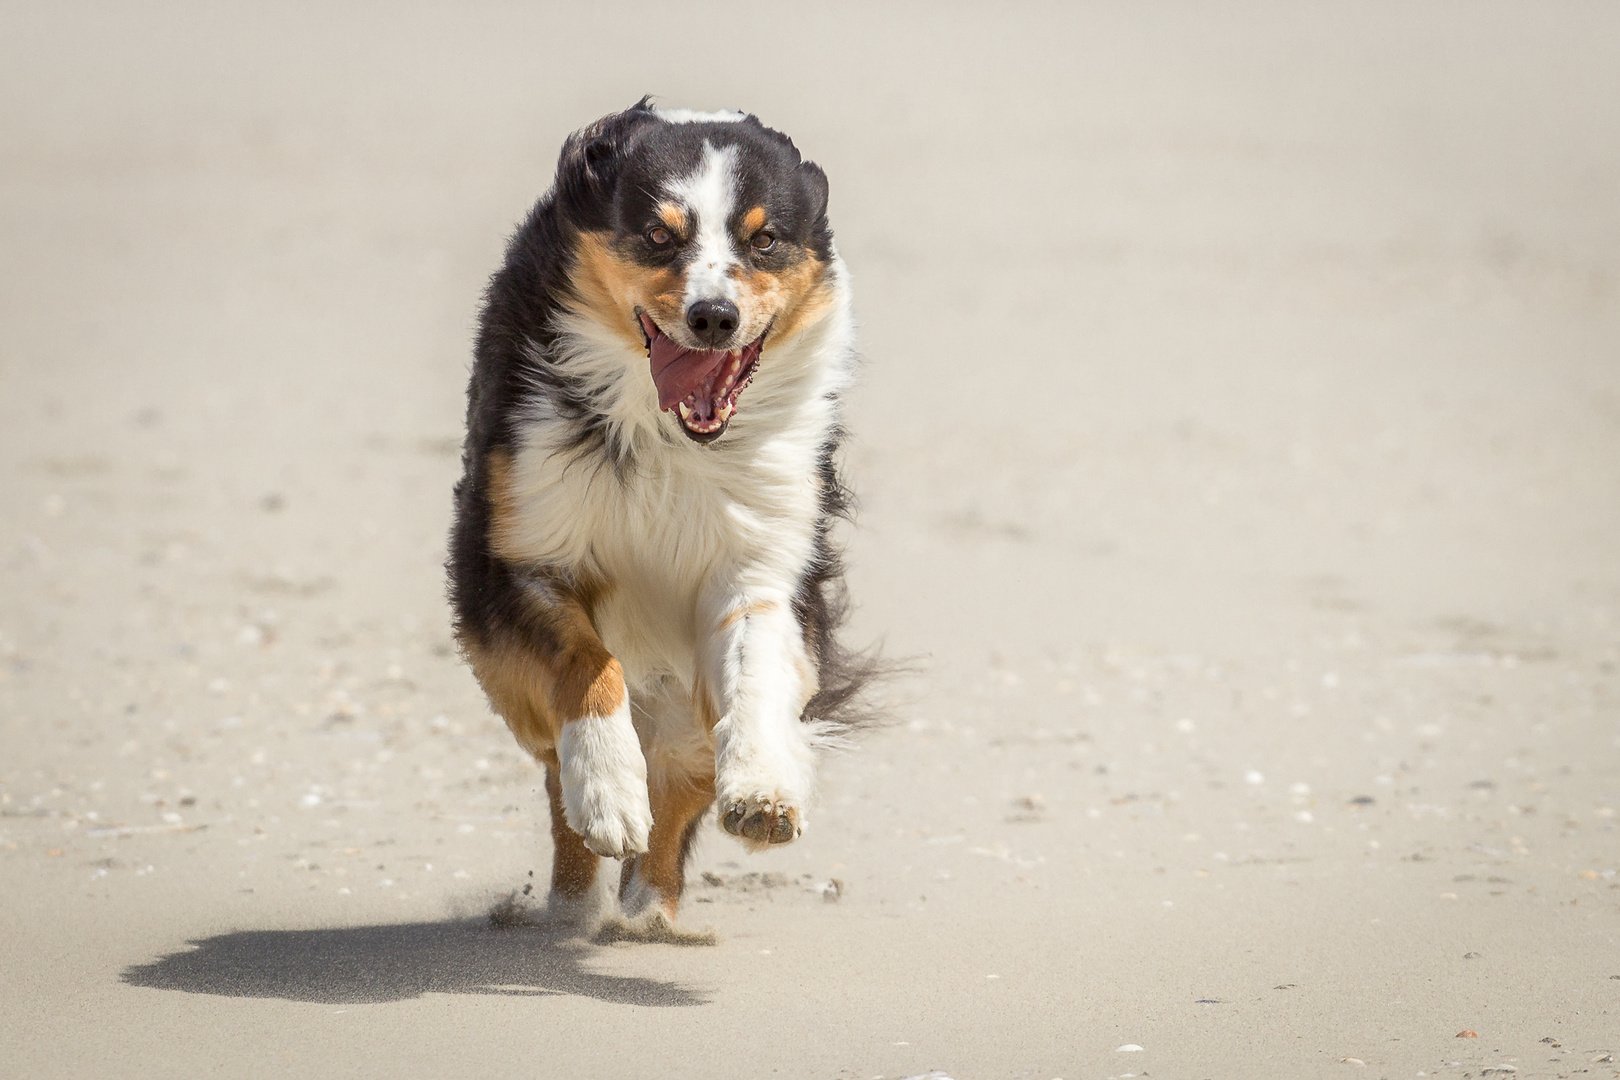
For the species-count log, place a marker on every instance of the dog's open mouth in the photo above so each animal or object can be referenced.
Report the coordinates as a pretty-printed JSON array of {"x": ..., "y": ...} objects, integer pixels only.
[{"x": 701, "y": 385}]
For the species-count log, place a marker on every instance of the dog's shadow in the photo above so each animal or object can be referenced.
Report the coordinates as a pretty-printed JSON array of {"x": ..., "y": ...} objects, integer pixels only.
[{"x": 366, "y": 964}]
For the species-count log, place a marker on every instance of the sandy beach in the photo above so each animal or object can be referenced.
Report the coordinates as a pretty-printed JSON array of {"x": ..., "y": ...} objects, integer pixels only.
[{"x": 1238, "y": 449}]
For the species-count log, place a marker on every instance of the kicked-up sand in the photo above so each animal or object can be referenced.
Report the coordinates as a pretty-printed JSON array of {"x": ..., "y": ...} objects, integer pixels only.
[{"x": 1239, "y": 448}]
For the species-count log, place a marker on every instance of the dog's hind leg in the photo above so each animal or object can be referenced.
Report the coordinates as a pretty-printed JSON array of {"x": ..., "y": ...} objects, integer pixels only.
[
  {"x": 650, "y": 885},
  {"x": 575, "y": 899},
  {"x": 657, "y": 878}
]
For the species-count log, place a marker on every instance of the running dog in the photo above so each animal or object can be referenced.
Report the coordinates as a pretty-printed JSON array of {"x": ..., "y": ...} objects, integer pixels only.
[{"x": 641, "y": 568}]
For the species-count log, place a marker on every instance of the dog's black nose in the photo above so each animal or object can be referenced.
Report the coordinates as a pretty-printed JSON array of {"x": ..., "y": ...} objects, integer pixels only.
[{"x": 712, "y": 321}]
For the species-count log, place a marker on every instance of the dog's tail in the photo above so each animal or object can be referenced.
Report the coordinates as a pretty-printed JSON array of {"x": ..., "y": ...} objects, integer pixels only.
[{"x": 845, "y": 701}]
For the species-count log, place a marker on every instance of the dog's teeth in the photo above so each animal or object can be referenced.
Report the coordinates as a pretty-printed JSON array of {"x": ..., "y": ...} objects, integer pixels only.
[
  {"x": 725, "y": 412},
  {"x": 686, "y": 413}
]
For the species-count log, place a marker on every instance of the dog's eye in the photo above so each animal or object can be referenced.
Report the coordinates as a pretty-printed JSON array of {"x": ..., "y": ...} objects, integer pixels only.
[
  {"x": 763, "y": 241},
  {"x": 659, "y": 237}
]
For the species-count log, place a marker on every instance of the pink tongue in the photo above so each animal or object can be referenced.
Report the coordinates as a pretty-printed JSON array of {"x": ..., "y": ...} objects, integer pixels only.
[{"x": 679, "y": 372}]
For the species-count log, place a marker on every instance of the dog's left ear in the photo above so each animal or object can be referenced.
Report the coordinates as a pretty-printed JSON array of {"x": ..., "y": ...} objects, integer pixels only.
[
  {"x": 589, "y": 161},
  {"x": 814, "y": 183},
  {"x": 599, "y": 151}
]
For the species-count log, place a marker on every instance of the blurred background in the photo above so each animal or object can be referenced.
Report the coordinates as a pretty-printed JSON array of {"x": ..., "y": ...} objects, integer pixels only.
[{"x": 1239, "y": 453}]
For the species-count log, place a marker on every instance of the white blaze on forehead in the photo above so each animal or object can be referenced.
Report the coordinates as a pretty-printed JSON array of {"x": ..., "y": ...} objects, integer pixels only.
[
  {"x": 709, "y": 195},
  {"x": 692, "y": 116}
]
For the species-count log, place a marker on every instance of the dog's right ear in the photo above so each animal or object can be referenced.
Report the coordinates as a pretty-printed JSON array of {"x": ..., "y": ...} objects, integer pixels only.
[{"x": 589, "y": 162}]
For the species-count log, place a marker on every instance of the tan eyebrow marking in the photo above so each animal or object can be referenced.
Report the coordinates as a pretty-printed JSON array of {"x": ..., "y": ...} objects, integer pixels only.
[
  {"x": 753, "y": 221},
  {"x": 673, "y": 216}
]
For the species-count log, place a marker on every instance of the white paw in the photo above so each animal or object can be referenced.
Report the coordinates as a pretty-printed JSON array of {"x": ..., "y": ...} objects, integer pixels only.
[
  {"x": 763, "y": 778},
  {"x": 652, "y": 927},
  {"x": 762, "y": 819},
  {"x": 563, "y": 915},
  {"x": 582, "y": 915},
  {"x": 604, "y": 784}
]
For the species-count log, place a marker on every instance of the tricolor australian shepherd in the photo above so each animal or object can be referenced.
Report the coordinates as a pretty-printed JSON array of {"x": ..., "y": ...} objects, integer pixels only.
[{"x": 640, "y": 567}]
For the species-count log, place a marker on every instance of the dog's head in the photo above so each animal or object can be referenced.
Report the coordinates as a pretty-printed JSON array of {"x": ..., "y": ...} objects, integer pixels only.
[{"x": 701, "y": 236}]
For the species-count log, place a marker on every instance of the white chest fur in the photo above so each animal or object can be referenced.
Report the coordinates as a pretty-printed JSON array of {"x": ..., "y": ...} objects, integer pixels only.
[{"x": 674, "y": 523}]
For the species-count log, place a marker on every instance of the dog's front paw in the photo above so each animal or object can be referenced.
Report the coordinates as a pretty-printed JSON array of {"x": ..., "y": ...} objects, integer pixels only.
[
  {"x": 762, "y": 819},
  {"x": 604, "y": 784},
  {"x": 610, "y": 812},
  {"x": 764, "y": 773}
]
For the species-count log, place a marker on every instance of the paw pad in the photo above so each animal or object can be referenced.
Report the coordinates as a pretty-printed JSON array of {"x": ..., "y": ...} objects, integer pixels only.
[{"x": 762, "y": 823}]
